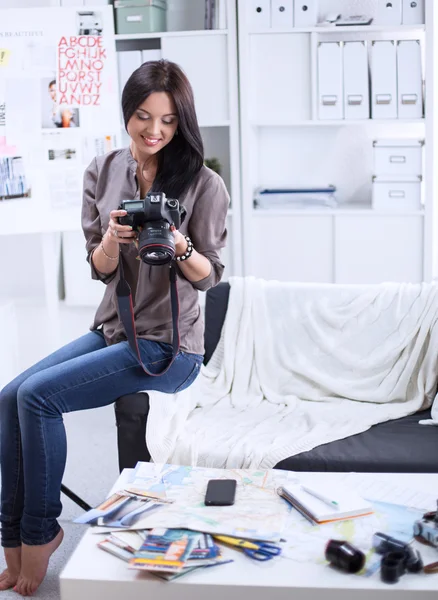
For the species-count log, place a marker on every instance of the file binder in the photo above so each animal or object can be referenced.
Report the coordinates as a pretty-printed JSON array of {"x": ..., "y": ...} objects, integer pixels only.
[
  {"x": 356, "y": 81},
  {"x": 383, "y": 80},
  {"x": 282, "y": 14},
  {"x": 259, "y": 14},
  {"x": 305, "y": 13},
  {"x": 413, "y": 12},
  {"x": 388, "y": 13},
  {"x": 409, "y": 80},
  {"x": 330, "y": 96}
]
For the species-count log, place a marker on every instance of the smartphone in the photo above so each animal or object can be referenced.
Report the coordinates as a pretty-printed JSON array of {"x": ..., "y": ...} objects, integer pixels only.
[{"x": 220, "y": 492}]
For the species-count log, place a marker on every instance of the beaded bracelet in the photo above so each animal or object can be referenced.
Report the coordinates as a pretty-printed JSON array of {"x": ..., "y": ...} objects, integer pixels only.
[
  {"x": 188, "y": 253},
  {"x": 107, "y": 255}
]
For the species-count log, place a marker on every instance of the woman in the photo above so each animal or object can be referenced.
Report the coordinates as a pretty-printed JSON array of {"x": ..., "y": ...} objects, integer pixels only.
[{"x": 165, "y": 155}]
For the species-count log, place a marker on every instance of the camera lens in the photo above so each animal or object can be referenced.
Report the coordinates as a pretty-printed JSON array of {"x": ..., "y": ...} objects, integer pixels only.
[
  {"x": 344, "y": 556},
  {"x": 156, "y": 244}
]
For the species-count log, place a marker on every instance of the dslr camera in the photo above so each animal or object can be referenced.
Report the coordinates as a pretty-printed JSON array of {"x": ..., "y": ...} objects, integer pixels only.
[
  {"x": 427, "y": 528},
  {"x": 153, "y": 217}
]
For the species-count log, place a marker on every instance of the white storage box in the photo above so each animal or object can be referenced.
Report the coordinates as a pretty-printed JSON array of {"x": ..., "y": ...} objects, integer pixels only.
[
  {"x": 305, "y": 13},
  {"x": 402, "y": 194},
  {"x": 282, "y": 14},
  {"x": 356, "y": 83},
  {"x": 383, "y": 80},
  {"x": 330, "y": 77},
  {"x": 398, "y": 157},
  {"x": 413, "y": 12},
  {"x": 259, "y": 14},
  {"x": 409, "y": 80},
  {"x": 388, "y": 13}
]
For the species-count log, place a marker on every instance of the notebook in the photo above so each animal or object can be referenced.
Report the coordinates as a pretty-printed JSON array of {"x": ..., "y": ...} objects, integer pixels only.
[{"x": 349, "y": 503}]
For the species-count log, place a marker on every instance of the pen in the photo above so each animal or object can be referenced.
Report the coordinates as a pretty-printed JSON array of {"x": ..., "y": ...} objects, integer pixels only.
[{"x": 320, "y": 496}]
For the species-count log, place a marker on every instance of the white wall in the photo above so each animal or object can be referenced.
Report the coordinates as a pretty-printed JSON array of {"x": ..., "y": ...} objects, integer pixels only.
[
  {"x": 27, "y": 3},
  {"x": 21, "y": 266}
]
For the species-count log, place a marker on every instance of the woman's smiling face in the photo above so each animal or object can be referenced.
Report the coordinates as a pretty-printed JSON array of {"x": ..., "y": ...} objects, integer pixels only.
[{"x": 153, "y": 124}]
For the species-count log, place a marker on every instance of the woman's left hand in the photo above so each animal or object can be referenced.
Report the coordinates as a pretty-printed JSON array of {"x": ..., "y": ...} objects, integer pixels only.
[{"x": 180, "y": 242}]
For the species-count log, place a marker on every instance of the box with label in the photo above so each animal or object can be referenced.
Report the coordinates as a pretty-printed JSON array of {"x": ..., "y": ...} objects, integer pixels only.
[
  {"x": 400, "y": 193},
  {"x": 388, "y": 13},
  {"x": 413, "y": 13},
  {"x": 282, "y": 14},
  {"x": 409, "y": 80},
  {"x": 356, "y": 80},
  {"x": 259, "y": 14},
  {"x": 398, "y": 157},
  {"x": 383, "y": 80},
  {"x": 330, "y": 77},
  {"x": 305, "y": 13},
  {"x": 140, "y": 16}
]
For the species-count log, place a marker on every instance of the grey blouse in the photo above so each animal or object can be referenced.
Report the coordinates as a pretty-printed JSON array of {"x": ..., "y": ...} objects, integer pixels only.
[{"x": 112, "y": 178}]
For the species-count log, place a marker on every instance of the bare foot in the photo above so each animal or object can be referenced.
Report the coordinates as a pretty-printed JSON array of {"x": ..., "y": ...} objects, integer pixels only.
[
  {"x": 34, "y": 563},
  {"x": 9, "y": 577}
]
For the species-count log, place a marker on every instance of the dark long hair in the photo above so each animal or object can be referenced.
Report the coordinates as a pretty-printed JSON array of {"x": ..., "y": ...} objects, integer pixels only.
[{"x": 180, "y": 161}]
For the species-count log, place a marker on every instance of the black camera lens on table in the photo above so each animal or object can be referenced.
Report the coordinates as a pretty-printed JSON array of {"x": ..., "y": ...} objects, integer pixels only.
[
  {"x": 344, "y": 556},
  {"x": 153, "y": 217}
]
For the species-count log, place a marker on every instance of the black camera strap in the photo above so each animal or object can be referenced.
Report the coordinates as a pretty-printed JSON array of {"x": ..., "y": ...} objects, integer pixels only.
[{"x": 126, "y": 312}]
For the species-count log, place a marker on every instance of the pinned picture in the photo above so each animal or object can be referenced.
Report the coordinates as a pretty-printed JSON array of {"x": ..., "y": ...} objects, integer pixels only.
[
  {"x": 52, "y": 114},
  {"x": 13, "y": 183},
  {"x": 89, "y": 22},
  {"x": 67, "y": 154}
]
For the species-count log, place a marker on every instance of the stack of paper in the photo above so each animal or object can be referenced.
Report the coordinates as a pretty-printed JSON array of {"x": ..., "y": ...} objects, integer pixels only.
[{"x": 296, "y": 198}]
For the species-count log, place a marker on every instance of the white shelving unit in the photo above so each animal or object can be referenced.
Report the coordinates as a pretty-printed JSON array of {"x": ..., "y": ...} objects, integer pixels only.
[{"x": 283, "y": 144}]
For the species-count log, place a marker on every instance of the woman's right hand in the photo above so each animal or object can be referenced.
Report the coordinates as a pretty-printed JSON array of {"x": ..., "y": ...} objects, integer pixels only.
[{"x": 122, "y": 234}]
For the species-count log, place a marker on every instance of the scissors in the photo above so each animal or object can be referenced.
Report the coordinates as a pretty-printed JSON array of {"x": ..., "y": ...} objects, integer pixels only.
[{"x": 257, "y": 550}]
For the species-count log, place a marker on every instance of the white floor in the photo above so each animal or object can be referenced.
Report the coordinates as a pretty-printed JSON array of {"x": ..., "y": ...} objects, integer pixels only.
[{"x": 92, "y": 451}]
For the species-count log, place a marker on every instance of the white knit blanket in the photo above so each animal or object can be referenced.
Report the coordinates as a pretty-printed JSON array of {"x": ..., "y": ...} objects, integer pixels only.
[{"x": 299, "y": 365}]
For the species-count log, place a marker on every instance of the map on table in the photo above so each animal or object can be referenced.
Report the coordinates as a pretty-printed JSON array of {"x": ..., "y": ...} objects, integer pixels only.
[
  {"x": 306, "y": 543},
  {"x": 258, "y": 512}
]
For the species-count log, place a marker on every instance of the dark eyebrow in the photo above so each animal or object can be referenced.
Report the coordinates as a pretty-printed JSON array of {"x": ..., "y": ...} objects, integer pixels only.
[{"x": 169, "y": 115}]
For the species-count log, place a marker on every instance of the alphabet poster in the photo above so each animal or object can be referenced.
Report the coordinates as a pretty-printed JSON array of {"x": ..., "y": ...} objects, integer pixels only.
[{"x": 59, "y": 102}]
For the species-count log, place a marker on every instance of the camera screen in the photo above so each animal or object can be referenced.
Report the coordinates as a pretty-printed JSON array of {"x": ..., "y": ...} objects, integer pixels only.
[{"x": 134, "y": 205}]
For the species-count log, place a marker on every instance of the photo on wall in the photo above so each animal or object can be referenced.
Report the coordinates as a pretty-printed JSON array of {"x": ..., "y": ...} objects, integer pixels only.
[
  {"x": 52, "y": 115},
  {"x": 64, "y": 154},
  {"x": 89, "y": 22},
  {"x": 13, "y": 182}
]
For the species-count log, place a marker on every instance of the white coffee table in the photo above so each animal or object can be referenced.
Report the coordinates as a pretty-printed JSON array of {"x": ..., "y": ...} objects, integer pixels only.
[{"x": 91, "y": 574}]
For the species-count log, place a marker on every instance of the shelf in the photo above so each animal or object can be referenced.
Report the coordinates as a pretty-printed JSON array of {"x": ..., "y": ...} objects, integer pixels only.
[
  {"x": 360, "y": 209},
  {"x": 337, "y": 123},
  {"x": 346, "y": 29},
  {"x": 217, "y": 124},
  {"x": 169, "y": 34},
  {"x": 226, "y": 123}
]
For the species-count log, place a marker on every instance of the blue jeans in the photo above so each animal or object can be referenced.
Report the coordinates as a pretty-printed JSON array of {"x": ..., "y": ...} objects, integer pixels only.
[{"x": 84, "y": 374}]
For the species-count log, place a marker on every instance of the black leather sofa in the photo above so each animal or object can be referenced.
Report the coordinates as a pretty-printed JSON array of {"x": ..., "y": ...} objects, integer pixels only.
[{"x": 399, "y": 446}]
